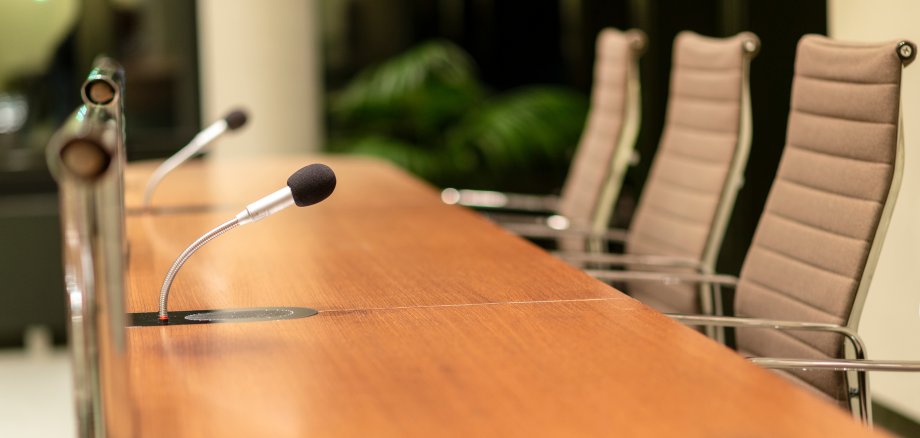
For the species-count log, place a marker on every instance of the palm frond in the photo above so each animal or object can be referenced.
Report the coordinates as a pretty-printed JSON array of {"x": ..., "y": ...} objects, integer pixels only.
[
  {"x": 422, "y": 89},
  {"x": 425, "y": 111},
  {"x": 526, "y": 133}
]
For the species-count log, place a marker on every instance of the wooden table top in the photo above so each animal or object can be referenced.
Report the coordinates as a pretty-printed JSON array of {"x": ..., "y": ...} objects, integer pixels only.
[
  {"x": 196, "y": 185},
  {"x": 432, "y": 322},
  {"x": 330, "y": 258}
]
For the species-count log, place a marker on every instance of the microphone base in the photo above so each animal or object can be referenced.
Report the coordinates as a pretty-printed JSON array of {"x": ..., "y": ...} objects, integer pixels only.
[{"x": 219, "y": 316}]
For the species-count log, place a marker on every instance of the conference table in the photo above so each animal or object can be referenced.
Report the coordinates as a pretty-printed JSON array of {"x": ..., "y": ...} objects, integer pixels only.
[{"x": 432, "y": 321}]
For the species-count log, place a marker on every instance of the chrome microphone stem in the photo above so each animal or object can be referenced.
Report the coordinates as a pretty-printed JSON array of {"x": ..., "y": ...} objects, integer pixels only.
[
  {"x": 193, "y": 147},
  {"x": 256, "y": 211},
  {"x": 171, "y": 275},
  {"x": 266, "y": 206}
]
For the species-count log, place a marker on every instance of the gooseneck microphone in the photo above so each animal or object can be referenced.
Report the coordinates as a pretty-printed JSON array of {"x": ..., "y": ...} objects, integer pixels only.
[
  {"x": 307, "y": 186},
  {"x": 231, "y": 122}
]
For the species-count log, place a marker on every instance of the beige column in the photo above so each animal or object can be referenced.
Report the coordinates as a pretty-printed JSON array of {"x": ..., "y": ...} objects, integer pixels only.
[{"x": 262, "y": 56}]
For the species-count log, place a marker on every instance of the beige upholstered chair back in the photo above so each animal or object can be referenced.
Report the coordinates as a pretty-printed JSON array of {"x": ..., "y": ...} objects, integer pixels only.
[
  {"x": 608, "y": 140},
  {"x": 818, "y": 239},
  {"x": 700, "y": 162}
]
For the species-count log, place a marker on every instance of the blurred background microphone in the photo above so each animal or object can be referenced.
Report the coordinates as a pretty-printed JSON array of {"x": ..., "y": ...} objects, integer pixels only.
[
  {"x": 231, "y": 122},
  {"x": 309, "y": 185}
]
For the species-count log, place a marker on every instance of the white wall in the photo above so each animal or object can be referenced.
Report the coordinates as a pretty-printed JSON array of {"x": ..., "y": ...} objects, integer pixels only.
[
  {"x": 263, "y": 56},
  {"x": 891, "y": 319}
]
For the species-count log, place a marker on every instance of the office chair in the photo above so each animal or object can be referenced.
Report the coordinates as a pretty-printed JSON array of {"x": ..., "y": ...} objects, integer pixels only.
[
  {"x": 603, "y": 154},
  {"x": 696, "y": 173},
  {"x": 805, "y": 277}
]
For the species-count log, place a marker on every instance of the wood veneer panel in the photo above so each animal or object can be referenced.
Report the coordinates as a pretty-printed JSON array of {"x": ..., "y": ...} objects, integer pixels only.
[
  {"x": 609, "y": 368},
  {"x": 233, "y": 183},
  {"x": 336, "y": 258}
]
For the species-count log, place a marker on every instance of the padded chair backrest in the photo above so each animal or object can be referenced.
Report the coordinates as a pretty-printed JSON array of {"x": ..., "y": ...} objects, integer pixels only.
[
  {"x": 609, "y": 137},
  {"x": 699, "y": 165},
  {"x": 815, "y": 247}
]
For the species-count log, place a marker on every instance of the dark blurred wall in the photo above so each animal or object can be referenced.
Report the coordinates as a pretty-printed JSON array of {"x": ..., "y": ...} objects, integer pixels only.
[{"x": 523, "y": 41}]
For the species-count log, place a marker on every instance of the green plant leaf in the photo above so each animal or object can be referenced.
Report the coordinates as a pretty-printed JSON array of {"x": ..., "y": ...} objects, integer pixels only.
[
  {"x": 416, "y": 93},
  {"x": 425, "y": 111},
  {"x": 528, "y": 134}
]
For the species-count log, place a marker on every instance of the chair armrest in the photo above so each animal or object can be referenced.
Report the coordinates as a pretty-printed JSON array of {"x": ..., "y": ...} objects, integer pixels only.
[
  {"x": 838, "y": 364},
  {"x": 629, "y": 259},
  {"x": 545, "y": 230},
  {"x": 860, "y": 364},
  {"x": 664, "y": 277},
  {"x": 776, "y": 324},
  {"x": 487, "y": 199}
]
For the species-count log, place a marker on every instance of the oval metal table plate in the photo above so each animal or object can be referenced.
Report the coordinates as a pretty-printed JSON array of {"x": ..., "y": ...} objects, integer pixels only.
[{"x": 220, "y": 316}]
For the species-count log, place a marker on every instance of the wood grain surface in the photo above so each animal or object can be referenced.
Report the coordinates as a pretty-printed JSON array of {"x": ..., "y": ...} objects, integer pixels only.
[
  {"x": 233, "y": 183},
  {"x": 588, "y": 368},
  {"x": 433, "y": 322},
  {"x": 337, "y": 258}
]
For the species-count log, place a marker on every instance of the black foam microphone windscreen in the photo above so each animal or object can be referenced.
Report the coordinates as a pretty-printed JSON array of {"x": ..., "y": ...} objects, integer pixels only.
[
  {"x": 311, "y": 184},
  {"x": 236, "y": 119}
]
